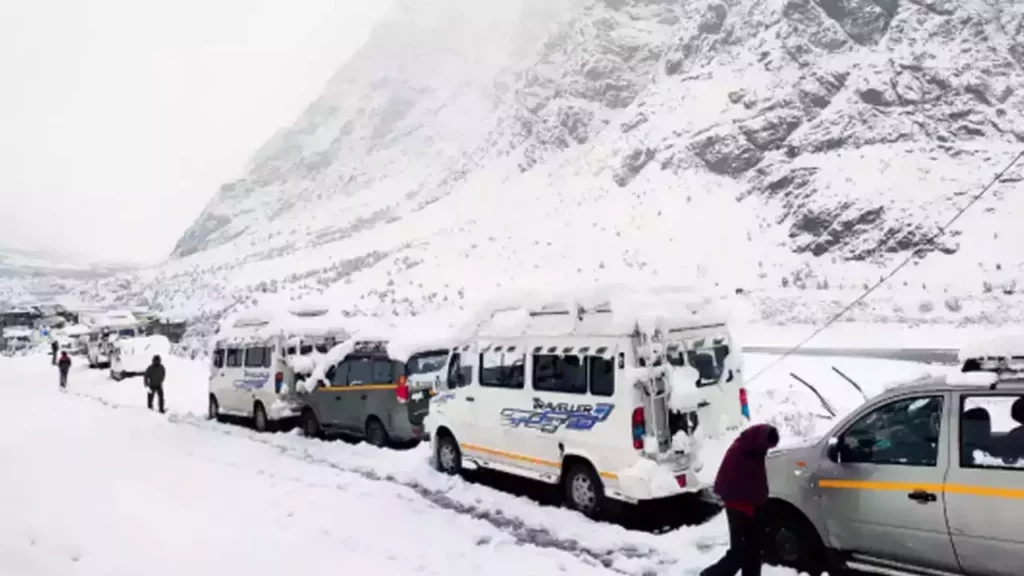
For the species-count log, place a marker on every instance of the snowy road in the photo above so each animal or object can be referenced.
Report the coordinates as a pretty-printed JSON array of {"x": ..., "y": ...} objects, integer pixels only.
[{"x": 95, "y": 484}]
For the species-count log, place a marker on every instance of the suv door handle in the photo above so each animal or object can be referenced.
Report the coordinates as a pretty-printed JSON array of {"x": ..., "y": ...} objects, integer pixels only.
[
  {"x": 470, "y": 399},
  {"x": 922, "y": 496}
]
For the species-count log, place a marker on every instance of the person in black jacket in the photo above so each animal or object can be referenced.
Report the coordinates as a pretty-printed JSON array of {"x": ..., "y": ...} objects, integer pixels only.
[
  {"x": 154, "y": 381},
  {"x": 64, "y": 366},
  {"x": 53, "y": 352}
]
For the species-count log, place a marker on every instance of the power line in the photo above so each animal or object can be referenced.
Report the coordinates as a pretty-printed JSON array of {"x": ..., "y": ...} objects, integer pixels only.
[{"x": 942, "y": 230}]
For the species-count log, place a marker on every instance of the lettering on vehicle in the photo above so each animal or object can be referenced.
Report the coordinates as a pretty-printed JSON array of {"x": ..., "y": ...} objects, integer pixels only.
[
  {"x": 549, "y": 417},
  {"x": 442, "y": 398},
  {"x": 251, "y": 380}
]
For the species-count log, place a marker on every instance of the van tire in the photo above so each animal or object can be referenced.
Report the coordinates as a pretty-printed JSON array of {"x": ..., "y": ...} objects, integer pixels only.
[
  {"x": 213, "y": 409},
  {"x": 584, "y": 491},
  {"x": 790, "y": 540},
  {"x": 310, "y": 425},
  {"x": 259, "y": 418},
  {"x": 376, "y": 434},
  {"x": 448, "y": 459}
]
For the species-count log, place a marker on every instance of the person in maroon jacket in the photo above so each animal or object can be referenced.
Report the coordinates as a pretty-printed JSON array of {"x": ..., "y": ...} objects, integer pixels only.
[{"x": 742, "y": 484}]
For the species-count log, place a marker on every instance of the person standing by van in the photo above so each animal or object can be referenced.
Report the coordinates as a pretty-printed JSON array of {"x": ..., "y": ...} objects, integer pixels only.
[
  {"x": 53, "y": 351},
  {"x": 742, "y": 483},
  {"x": 154, "y": 382},
  {"x": 64, "y": 366}
]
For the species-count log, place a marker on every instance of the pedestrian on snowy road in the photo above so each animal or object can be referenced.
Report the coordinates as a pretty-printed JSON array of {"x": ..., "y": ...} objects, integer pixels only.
[
  {"x": 53, "y": 352},
  {"x": 742, "y": 483},
  {"x": 154, "y": 382},
  {"x": 64, "y": 366}
]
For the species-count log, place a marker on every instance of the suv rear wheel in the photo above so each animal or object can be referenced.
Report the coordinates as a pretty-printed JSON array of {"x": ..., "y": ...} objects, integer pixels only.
[
  {"x": 310, "y": 425},
  {"x": 375, "y": 433}
]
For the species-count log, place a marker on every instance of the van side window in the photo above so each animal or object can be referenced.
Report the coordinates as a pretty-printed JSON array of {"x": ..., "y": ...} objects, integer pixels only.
[
  {"x": 305, "y": 349},
  {"x": 218, "y": 358},
  {"x": 502, "y": 370},
  {"x": 360, "y": 371},
  {"x": 901, "y": 433},
  {"x": 552, "y": 373},
  {"x": 254, "y": 357},
  {"x": 992, "y": 432},
  {"x": 602, "y": 375},
  {"x": 233, "y": 358},
  {"x": 455, "y": 376}
]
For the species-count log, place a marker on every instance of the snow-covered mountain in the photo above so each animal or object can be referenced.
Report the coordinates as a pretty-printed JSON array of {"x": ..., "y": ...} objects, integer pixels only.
[{"x": 774, "y": 146}]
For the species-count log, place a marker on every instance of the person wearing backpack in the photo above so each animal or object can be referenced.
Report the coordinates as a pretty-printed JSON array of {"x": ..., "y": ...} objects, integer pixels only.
[
  {"x": 64, "y": 366},
  {"x": 153, "y": 379}
]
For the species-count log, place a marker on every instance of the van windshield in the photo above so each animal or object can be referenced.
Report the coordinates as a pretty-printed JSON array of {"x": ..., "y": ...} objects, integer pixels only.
[{"x": 426, "y": 363}]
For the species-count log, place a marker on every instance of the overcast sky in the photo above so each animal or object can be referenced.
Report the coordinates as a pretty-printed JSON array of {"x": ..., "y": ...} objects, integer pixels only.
[{"x": 120, "y": 118}]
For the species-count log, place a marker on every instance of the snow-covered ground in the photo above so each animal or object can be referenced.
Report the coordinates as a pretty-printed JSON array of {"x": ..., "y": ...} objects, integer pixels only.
[{"x": 93, "y": 483}]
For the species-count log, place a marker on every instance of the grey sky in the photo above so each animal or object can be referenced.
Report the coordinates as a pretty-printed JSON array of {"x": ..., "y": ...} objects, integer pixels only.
[{"x": 119, "y": 118}]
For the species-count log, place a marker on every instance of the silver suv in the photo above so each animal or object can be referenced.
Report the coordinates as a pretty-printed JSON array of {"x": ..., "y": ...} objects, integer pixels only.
[{"x": 925, "y": 479}]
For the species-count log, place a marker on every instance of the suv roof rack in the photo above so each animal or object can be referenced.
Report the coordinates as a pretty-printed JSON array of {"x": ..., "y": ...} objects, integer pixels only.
[{"x": 1004, "y": 369}]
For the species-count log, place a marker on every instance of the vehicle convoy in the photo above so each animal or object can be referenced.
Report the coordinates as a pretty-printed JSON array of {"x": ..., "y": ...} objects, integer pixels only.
[
  {"x": 258, "y": 359},
  {"x": 589, "y": 398},
  {"x": 366, "y": 391},
  {"x": 131, "y": 356},
  {"x": 927, "y": 478}
]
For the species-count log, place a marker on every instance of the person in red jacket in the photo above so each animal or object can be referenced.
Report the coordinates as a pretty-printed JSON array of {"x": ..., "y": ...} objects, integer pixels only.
[
  {"x": 63, "y": 366},
  {"x": 742, "y": 484}
]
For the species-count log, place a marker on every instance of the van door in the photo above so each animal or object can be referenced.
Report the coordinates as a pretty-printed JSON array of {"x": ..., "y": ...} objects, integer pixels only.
[
  {"x": 499, "y": 404},
  {"x": 985, "y": 485},
  {"x": 235, "y": 398},
  {"x": 882, "y": 498}
]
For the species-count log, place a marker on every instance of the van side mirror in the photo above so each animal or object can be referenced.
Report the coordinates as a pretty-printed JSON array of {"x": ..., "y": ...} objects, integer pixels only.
[{"x": 832, "y": 451}]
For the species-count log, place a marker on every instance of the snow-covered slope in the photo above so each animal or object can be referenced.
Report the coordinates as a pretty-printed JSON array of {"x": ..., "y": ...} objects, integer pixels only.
[{"x": 775, "y": 146}]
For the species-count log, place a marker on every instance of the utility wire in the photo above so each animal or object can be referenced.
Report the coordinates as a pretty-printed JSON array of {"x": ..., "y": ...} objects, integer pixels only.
[{"x": 894, "y": 271}]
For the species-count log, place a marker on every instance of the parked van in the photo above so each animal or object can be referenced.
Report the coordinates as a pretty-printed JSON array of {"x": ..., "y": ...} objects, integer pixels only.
[
  {"x": 131, "y": 356},
  {"x": 106, "y": 329},
  {"x": 584, "y": 397},
  {"x": 365, "y": 392},
  {"x": 258, "y": 358}
]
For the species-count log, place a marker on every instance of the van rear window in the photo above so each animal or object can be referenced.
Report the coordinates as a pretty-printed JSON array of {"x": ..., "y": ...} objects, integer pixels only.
[
  {"x": 233, "y": 358},
  {"x": 258, "y": 357},
  {"x": 218, "y": 358}
]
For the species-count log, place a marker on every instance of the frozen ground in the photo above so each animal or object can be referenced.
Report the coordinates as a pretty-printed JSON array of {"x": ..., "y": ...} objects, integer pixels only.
[{"x": 95, "y": 484}]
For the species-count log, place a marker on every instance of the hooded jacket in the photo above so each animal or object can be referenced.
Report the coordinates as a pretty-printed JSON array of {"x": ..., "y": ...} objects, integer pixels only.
[
  {"x": 155, "y": 374},
  {"x": 64, "y": 364},
  {"x": 742, "y": 479}
]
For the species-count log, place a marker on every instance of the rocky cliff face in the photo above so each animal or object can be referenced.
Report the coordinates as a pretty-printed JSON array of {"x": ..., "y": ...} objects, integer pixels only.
[{"x": 471, "y": 147}]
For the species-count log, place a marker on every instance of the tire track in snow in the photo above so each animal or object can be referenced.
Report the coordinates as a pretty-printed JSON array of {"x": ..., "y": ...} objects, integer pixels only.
[{"x": 521, "y": 531}]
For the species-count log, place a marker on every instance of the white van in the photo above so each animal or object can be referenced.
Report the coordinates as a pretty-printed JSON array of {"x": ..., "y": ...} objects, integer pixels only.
[
  {"x": 586, "y": 398},
  {"x": 258, "y": 359},
  {"x": 102, "y": 340},
  {"x": 131, "y": 356}
]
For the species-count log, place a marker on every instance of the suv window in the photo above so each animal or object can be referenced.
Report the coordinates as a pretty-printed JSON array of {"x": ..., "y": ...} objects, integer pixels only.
[
  {"x": 339, "y": 375},
  {"x": 383, "y": 371},
  {"x": 360, "y": 371},
  {"x": 234, "y": 358},
  {"x": 902, "y": 433},
  {"x": 503, "y": 368},
  {"x": 218, "y": 358},
  {"x": 992, "y": 431},
  {"x": 553, "y": 373}
]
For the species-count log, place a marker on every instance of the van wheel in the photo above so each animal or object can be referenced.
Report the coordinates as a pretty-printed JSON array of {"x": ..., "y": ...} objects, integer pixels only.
[
  {"x": 259, "y": 418},
  {"x": 584, "y": 491},
  {"x": 310, "y": 425},
  {"x": 791, "y": 541},
  {"x": 213, "y": 410},
  {"x": 375, "y": 433},
  {"x": 449, "y": 457}
]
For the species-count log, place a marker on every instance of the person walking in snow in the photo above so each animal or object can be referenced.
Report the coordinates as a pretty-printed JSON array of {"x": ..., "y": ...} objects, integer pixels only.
[
  {"x": 64, "y": 366},
  {"x": 154, "y": 382},
  {"x": 53, "y": 352},
  {"x": 742, "y": 483}
]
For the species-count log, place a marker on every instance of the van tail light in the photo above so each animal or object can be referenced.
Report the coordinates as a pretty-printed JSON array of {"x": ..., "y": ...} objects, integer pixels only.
[
  {"x": 402, "y": 391},
  {"x": 639, "y": 428},
  {"x": 744, "y": 406},
  {"x": 278, "y": 382}
]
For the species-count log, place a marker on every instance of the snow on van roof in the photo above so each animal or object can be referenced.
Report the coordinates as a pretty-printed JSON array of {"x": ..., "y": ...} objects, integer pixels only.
[
  {"x": 1000, "y": 346},
  {"x": 608, "y": 310}
]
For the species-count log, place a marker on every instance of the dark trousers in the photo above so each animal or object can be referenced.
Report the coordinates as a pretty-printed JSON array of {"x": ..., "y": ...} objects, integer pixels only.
[
  {"x": 157, "y": 391},
  {"x": 63, "y": 379},
  {"x": 53, "y": 358},
  {"x": 744, "y": 546}
]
